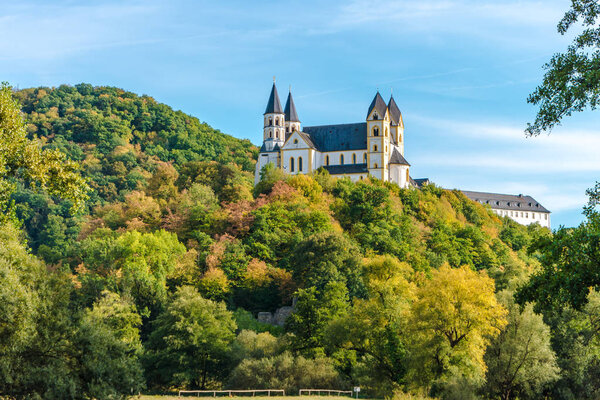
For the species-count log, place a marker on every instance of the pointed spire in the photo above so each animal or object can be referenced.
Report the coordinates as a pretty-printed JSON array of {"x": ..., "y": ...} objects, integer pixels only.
[
  {"x": 274, "y": 105},
  {"x": 395, "y": 113},
  {"x": 379, "y": 105},
  {"x": 290, "y": 109}
]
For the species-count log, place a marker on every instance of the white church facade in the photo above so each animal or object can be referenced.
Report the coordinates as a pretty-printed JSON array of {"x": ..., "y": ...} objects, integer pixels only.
[{"x": 374, "y": 147}]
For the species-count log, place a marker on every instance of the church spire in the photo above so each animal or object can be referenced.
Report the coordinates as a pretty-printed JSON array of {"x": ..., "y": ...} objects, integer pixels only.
[
  {"x": 290, "y": 109},
  {"x": 379, "y": 105},
  {"x": 274, "y": 105},
  {"x": 395, "y": 113}
]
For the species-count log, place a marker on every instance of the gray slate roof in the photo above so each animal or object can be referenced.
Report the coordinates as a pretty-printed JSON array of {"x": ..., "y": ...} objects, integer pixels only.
[
  {"x": 379, "y": 105},
  {"x": 395, "y": 113},
  {"x": 290, "y": 110},
  {"x": 263, "y": 149},
  {"x": 274, "y": 105},
  {"x": 420, "y": 182},
  {"x": 398, "y": 158},
  {"x": 338, "y": 137},
  {"x": 506, "y": 201},
  {"x": 346, "y": 169}
]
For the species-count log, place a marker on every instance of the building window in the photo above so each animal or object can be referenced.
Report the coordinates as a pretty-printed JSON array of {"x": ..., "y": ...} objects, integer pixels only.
[
  {"x": 326, "y": 160},
  {"x": 546, "y": 217},
  {"x": 407, "y": 177},
  {"x": 375, "y": 166},
  {"x": 276, "y": 121},
  {"x": 341, "y": 159},
  {"x": 270, "y": 134},
  {"x": 365, "y": 157},
  {"x": 375, "y": 116},
  {"x": 353, "y": 158},
  {"x": 295, "y": 141},
  {"x": 386, "y": 132},
  {"x": 276, "y": 134},
  {"x": 376, "y": 131},
  {"x": 291, "y": 164},
  {"x": 299, "y": 164},
  {"x": 386, "y": 149},
  {"x": 270, "y": 121},
  {"x": 294, "y": 128},
  {"x": 375, "y": 147}
]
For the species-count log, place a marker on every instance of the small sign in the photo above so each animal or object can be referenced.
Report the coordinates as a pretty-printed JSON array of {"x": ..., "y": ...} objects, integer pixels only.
[{"x": 357, "y": 389}]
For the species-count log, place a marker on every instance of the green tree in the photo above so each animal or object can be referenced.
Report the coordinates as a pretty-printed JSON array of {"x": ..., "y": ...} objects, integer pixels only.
[
  {"x": 520, "y": 360},
  {"x": 190, "y": 341},
  {"x": 24, "y": 159},
  {"x": 108, "y": 348},
  {"x": 570, "y": 263},
  {"x": 571, "y": 82},
  {"x": 314, "y": 310}
]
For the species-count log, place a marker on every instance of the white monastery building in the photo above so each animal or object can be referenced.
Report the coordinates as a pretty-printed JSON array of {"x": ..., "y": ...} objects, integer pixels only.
[
  {"x": 374, "y": 147},
  {"x": 520, "y": 208}
]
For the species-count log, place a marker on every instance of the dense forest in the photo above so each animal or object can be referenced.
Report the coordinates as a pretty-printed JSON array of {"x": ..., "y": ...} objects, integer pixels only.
[{"x": 137, "y": 254}]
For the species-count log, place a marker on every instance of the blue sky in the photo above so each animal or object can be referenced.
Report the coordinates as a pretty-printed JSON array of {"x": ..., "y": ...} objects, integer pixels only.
[{"x": 460, "y": 70}]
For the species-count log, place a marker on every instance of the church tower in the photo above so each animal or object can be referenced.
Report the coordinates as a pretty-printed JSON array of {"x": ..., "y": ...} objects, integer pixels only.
[
  {"x": 292, "y": 123},
  {"x": 378, "y": 138},
  {"x": 274, "y": 122},
  {"x": 396, "y": 124}
]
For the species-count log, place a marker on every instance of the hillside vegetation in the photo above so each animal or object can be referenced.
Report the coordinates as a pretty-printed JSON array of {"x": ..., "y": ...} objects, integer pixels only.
[{"x": 156, "y": 284}]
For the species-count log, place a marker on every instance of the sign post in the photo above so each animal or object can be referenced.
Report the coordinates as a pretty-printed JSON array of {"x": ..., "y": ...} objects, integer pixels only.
[{"x": 356, "y": 390}]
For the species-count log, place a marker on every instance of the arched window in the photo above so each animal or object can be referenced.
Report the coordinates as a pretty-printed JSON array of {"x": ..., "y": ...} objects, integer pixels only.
[
  {"x": 270, "y": 134},
  {"x": 361, "y": 177},
  {"x": 276, "y": 134},
  {"x": 376, "y": 131},
  {"x": 270, "y": 121},
  {"x": 299, "y": 164},
  {"x": 295, "y": 141},
  {"x": 326, "y": 160},
  {"x": 276, "y": 121},
  {"x": 407, "y": 177},
  {"x": 287, "y": 129},
  {"x": 294, "y": 128},
  {"x": 341, "y": 159},
  {"x": 375, "y": 116},
  {"x": 365, "y": 157},
  {"x": 353, "y": 158},
  {"x": 375, "y": 166},
  {"x": 291, "y": 164},
  {"x": 375, "y": 148}
]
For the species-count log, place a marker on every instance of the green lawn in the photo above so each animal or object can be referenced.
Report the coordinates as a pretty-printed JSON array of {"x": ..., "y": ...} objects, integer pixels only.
[{"x": 149, "y": 397}]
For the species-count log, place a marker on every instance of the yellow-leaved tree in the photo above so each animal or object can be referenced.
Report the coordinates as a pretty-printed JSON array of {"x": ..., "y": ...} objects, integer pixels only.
[{"x": 455, "y": 316}]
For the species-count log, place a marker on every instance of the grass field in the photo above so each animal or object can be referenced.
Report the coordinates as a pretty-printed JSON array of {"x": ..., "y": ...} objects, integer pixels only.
[{"x": 149, "y": 397}]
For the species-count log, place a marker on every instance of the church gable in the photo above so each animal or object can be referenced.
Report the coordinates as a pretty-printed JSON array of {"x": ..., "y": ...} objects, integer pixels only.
[{"x": 298, "y": 140}]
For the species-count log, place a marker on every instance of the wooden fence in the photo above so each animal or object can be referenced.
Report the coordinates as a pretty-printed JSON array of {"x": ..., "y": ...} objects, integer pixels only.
[
  {"x": 329, "y": 392},
  {"x": 229, "y": 392}
]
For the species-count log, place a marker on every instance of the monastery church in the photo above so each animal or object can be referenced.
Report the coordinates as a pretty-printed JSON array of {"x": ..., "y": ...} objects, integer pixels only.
[{"x": 374, "y": 147}]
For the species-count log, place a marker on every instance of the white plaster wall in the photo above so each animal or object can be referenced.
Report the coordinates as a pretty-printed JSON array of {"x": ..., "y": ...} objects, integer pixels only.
[
  {"x": 334, "y": 157},
  {"x": 264, "y": 159},
  {"x": 527, "y": 218},
  {"x": 287, "y": 154}
]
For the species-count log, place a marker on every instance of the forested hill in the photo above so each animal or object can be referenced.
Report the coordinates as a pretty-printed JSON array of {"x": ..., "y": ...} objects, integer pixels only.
[
  {"x": 157, "y": 282},
  {"x": 118, "y": 136}
]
